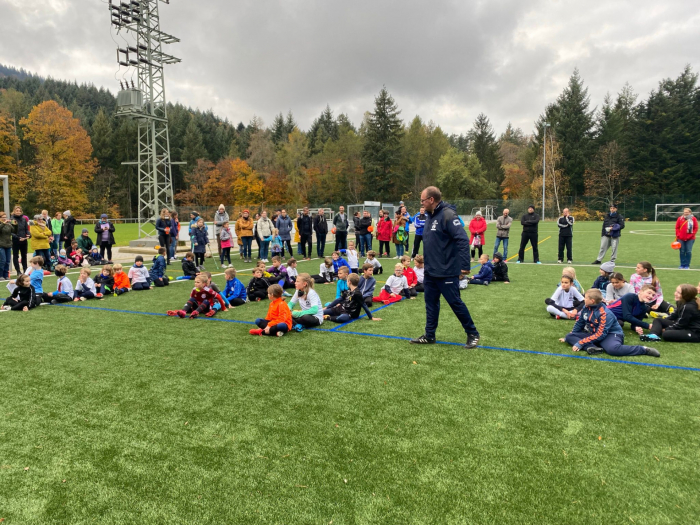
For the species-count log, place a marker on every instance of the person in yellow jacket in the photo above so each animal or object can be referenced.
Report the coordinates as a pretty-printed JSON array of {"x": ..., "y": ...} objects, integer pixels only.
[{"x": 42, "y": 236}]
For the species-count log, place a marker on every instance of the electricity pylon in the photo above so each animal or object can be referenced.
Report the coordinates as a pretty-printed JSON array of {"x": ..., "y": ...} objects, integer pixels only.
[{"x": 145, "y": 101}]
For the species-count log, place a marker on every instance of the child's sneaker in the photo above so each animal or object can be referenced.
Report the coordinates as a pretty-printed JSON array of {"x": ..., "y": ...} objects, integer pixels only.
[
  {"x": 649, "y": 337},
  {"x": 181, "y": 314},
  {"x": 657, "y": 315},
  {"x": 99, "y": 295},
  {"x": 255, "y": 331},
  {"x": 211, "y": 313},
  {"x": 297, "y": 327},
  {"x": 173, "y": 313},
  {"x": 280, "y": 334},
  {"x": 286, "y": 294}
]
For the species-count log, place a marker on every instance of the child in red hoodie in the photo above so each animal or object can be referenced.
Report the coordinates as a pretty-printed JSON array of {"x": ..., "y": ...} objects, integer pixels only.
[
  {"x": 411, "y": 277},
  {"x": 201, "y": 301},
  {"x": 384, "y": 230}
]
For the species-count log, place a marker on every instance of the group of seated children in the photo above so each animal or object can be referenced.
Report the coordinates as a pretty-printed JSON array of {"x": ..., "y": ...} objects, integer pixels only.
[{"x": 489, "y": 271}]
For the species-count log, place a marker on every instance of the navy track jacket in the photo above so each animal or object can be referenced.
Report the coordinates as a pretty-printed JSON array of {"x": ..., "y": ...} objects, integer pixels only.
[{"x": 446, "y": 245}]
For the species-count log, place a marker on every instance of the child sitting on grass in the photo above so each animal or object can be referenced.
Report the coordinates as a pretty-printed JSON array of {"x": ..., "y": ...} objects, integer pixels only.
[
  {"x": 85, "y": 286},
  {"x": 64, "y": 259},
  {"x": 94, "y": 257},
  {"x": 121, "y": 280},
  {"x": 596, "y": 330},
  {"x": 258, "y": 285},
  {"x": 485, "y": 275},
  {"x": 396, "y": 286},
  {"x": 189, "y": 268},
  {"x": 367, "y": 283},
  {"x": 159, "y": 268},
  {"x": 201, "y": 301},
  {"x": 633, "y": 308},
  {"x": 603, "y": 280},
  {"x": 617, "y": 288},
  {"x": 683, "y": 325},
  {"x": 342, "y": 284},
  {"x": 36, "y": 276},
  {"x": 410, "y": 275},
  {"x": 353, "y": 258},
  {"x": 278, "y": 320},
  {"x": 351, "y": 305},
  {"x": 571, "y": 271},
  {"x": 235, "y": 292},
  {"x": 64, "y": 288},
  {"x": 419, "y": 270},
  {"x": 372, "y": 259},
  {"x": 291, "y": 273},
  {"x": 261, "y": 264},
  {"x": 338, "y": 263},
  {"x": 311, "y": 313},
  {"x": 139, "y": 276},
  {"x": 104, "y": 282},
  {"x": 646, "y": 274},
  {"x": 23, "y": 297},
  {"x": 325, "y": 272},
  {"x": 500, "y": 268},
  {"x": 76, "y": 255},
  {"x": 565, "y": 301}
]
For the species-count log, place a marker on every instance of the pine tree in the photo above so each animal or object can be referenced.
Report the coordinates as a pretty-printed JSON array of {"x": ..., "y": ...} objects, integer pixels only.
[
  {"x": 323, "y": 129},
  {"x": 279, "y": 130},
  {"x": 102, "y": 140},
  {"x": 193, "y": 149},
  {"x": 381, "y": 155},
  {"x": 485, "y": 147}
]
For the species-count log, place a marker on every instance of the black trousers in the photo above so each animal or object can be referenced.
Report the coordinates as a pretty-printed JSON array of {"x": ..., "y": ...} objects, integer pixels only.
[
  {"x": 165, "y": 281},
  {"x": 320, "y": 245},
  {"x": 659, "y": 327},
  {"x": 106, "y": 247},
  {"x": 532, "y": 239},
  {"x": 565, "y": 242},
  {"x": 306, "y": 247},
  {"x": 288, "y": 244},
  {"x": 19, "y": 248},
  {"x": 164, "y": 241},
  {"x": 417, "y": 239},
  {"x": 341, "y": 241},
  {"x": 480, "y": 248},
  {"x": 385, "y": 244},
  {"x": 307, "y": 321}
]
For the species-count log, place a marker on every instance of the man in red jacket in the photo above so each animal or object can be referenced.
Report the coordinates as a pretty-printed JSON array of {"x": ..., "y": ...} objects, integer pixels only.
[{"x": 686, "y": 228}]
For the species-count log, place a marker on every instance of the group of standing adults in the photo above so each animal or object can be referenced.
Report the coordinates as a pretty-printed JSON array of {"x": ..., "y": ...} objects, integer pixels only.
[{"x": 46, "y": 235}]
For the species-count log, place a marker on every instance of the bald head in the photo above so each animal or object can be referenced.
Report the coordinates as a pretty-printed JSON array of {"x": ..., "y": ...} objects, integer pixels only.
[{"x": 430, "y": 197}]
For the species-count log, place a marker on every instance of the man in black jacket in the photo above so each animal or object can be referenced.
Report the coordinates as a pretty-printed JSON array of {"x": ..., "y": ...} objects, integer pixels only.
[
  {"x": 566, "y": 235},
  {"x": 364, "y": 234},
  {"x": 613, "y": 223},
  {"x": 340, "y": 222},
  {"x": 530, "y": 223},
  {"x": 305, "y": 229},
  {"x": 446, "y": 253},
  {"x": 321, "y": 229}
]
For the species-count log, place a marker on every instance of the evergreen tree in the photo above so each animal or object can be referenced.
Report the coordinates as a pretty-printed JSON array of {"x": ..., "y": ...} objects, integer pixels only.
[
  {"x": 323, "y": 129},
  {"x": 574, "y": 131},
  {"x": 102, "y": 140},
  {"x": 279, "y": 130},
  {"x": 460, "y": 142},
  {"x": 193, "y": 149},
  {"x": 381, "y": 154},
  {"x": 485, "y": 147}
]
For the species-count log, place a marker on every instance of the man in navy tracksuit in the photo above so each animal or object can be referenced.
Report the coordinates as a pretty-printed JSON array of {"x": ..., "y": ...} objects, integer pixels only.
[
  {"x": 446, "y": 253},
  {"x": 419, "y": 222}
]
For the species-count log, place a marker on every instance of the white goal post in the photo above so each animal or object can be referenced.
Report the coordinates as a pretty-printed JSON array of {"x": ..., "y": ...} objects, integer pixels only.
[
  {"x": 670, "y": 212},
  {"x": 6, "y": 192}
]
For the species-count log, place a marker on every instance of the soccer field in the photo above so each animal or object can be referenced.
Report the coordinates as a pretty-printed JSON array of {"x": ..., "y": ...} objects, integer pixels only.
[{"x": 113, "y": 412}]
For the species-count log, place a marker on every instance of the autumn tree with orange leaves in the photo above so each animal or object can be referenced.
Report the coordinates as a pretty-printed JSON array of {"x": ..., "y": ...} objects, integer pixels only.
[{"x": 64, "y": 164}]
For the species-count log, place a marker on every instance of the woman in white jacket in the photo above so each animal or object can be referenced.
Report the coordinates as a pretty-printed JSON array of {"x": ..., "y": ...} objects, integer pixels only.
[{"x": 265, "y": 227}]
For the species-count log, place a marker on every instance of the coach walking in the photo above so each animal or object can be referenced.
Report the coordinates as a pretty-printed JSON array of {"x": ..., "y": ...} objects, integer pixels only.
[{"x": 446, "y": 252}]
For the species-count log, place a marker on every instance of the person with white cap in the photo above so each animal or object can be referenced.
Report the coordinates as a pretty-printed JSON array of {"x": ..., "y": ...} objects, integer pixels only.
[{"x": 220, "y": 217}]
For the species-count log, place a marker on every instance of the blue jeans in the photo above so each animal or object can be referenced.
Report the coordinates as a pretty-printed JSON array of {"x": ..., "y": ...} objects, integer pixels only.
[
  {"x": 400, "y": 248},
  {"x": 55, "y": 244},
  {"x": 686, "y": 252},
  {"x": 264, "y": 249},
  {"x": 505, "y": 247},
  {"x": 448, "y": 287},
  {"x": 173, "y": 246},
  {"x": 5, "y": 261},
  {"x": 365, "y": 243},
  {"x": 247, "y": 246},
  {"x": 613, "y": 344}
]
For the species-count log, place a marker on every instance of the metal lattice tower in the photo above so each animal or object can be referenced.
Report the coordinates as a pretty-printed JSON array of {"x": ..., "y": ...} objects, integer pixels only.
[{"x": 140, "y": 21}]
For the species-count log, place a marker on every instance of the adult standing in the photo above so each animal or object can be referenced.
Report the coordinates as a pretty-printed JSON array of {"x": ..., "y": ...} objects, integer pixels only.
[
  {"x": 244, "y": 231},
  {"x": 256, "y": 235},
  {"x": 419, "y": 223},
  {"x": 365, "y": 235},
  {"x": 284, "y": 227},
  {"x": 321, "y": 229},
  {"x": 613, "y": 224},
  {"x": 686, "y": 229},
  {"x": 446, "y": 255},
  {"x": 264, "y": 229},
  {"x": 530, "y": 222},
  {"x": 503, "y": 224},
  {"x": 220, "y": 217},
  {"x": 477, "y": 227},
  {"x": 174, "y": 235},
  {"x": 566, "y": 235},
  {"x": 56, "y": 229},
  {"x": 68, "y": 230},
  {"x": 163, "y": 226},
  {"x": 105, "y": 238},
  {"x": 341, "y": 225},
  {"x": 41, "y": 240},
  {"x": 20, "y": 237},
  {"x": 5, "y": 246},
  {"x": 305, "y": 229}
]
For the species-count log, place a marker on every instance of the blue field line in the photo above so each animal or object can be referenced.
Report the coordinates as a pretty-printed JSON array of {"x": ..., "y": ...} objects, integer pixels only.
[
  {"x": 363, "y": 315},
  {"x": 380, "y": 336}
]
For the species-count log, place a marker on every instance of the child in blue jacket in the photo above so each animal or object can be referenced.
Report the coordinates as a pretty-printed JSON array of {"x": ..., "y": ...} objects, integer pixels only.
[
  {"x": 597, "y": 330},
  {"x": 633, "y": 308},
  {"x": 235, "y": 292},
  {"x": 339, "y": 262},
  {"x": 159, "y": 268},
  {"x": 485, "y": 275}
]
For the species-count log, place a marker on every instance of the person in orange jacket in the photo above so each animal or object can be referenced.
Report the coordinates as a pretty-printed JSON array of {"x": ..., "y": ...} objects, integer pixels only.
[
  {"x": 278, "y": 320},
  {"x": 477, "y": 227},
  {"x": 686, "y": 229},
  {"x": 121, "y": 280}
]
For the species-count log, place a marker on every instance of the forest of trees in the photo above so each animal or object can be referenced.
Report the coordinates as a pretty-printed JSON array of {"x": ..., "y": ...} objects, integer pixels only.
[{"x": 64, "y": 147}]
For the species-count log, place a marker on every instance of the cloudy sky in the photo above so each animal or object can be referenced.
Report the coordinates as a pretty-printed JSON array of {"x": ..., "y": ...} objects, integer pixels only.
[{"x": 446, "y": 61}]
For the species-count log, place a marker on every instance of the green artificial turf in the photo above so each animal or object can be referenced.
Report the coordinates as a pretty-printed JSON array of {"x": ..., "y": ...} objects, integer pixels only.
[{"x": 116, "y": 417}]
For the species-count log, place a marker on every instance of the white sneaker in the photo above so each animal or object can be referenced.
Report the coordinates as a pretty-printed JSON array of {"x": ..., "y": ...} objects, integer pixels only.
[
  {"x": 6, "y": 309},
  {"x": 280, "y": 334}
]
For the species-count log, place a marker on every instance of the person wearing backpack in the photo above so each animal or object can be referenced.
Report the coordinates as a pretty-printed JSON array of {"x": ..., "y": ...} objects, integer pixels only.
[{"x": 446, "y": 253}]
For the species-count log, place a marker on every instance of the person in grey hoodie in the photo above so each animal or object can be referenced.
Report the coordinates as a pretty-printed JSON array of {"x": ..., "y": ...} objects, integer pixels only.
[
  {"x": 284, "y": 226},
  {"x": 220, "y": 217},
  {"x": 340, "y": 222},
  {"x": 503, "y": 224}
]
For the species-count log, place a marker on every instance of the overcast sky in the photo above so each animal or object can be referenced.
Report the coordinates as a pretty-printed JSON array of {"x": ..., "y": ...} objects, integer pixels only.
[{"x": 446, "y": 61}]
